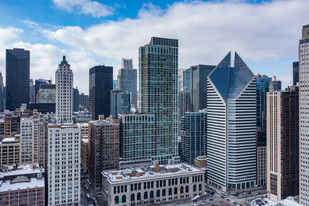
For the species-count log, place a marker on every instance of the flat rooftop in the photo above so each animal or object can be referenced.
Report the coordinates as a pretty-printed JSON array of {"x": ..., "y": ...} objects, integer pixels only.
[
  {"x": 22, "y": 170},
  {"x": 137, "y": 173},
  {"x": 8, "y": 140},
  {"x": 33, "y": 183}
]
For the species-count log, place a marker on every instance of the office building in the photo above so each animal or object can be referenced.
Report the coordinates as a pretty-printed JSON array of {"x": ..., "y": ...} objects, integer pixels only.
[
  {"x": 295, "y": 73},
  {"x": 84, "y": 100},
  {"x": 120, "y": 102},
  {"x": 31, "y": 91},
  {"x": 84, "y": 151},
  {"x": 184, "y": 92},
  {"x": 2, "y": 93},
  {"x": 127, "y": 79},
  {"x": 282, "y": 144},
  {"x": 153, "y": 185},
  {"x": 274, "y": 84},
  {"x": 17, "y": 78},
  {"x": 303, "y": 117},
  {"x": 38, "y": 83},
  {"x": 159, "y": 94},
  {"x": 231, "y": 126},
  {"x": 46, "y": 93},
  {"x": 100, "y": 87},
  {"x": 9, "y": 151},
  {"x": 24, "y": 185},
  {"x": 137, "y": 139},
  {"x": 44, "y": 108},
  {"x": 115, "y": 83},
  {"x": 63, "y": 164},
  {"x": 83, "y": 129},
  {"x": 26, "y": 141},
  {"x": 75, "y": 100},
  {"x": 64, "y": 92},
  {"x": 81, "y": 117},
  {"x": 198, "y": 87},
  {"x": 193, "y": 136},
  {"x": 104, "y": 150}
]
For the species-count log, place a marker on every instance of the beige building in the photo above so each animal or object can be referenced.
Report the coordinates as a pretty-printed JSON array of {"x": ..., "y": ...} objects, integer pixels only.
[
  {"x": 9, "y": 151},
  {"x": 282, "y": 144}
]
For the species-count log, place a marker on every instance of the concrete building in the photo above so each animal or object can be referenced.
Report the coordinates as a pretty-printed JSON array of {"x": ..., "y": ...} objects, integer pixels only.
[
  {"x": 100, "y": 87},
  {"x": 193, "y": 136},
  {"x": 9, "y": 151},
  {"x": 64, "y": 164},
  {"x": 81, "y": 117},
  {"x": 84, "y": 152},
  {"x": 295, "y": 73},
  {"x": 17, "y": 78},
  {"x": 231, "y": 126},
  {"x": 303, "y": 117},
  {"x": 24, "y": 185},
  {"x": 83, "y": 130},
  {"x": 127, "y": 79},
  {"x": 198, "y": 87},
  {"x": 282, "y": 144},
  {"x": 64, "y": 92},
  {"x": 137, "y": 139},
  {"x": 104, "y": 149},
  {"x": 120, "y": 102},
  {"x": 274, "y": 84},
  {"x": 38, "y": 83},
  {"x": 152, "y": 185},
  {"x": 26, "y": 141},
  {"x": 31, "y": 91},
  {"x": 158, "y": 94},
  {"x": 46, "y": 93}
]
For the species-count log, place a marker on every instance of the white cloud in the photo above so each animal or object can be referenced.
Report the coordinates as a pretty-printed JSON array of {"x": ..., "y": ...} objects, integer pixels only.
[{"x": 93, "y": 8}]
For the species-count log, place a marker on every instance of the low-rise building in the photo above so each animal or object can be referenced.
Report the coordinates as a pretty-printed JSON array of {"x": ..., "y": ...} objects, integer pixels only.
[
  {"x": 9, "y": 151},
  {"x": 153, "y": 184},
  {"x": 24, "y": 185}
]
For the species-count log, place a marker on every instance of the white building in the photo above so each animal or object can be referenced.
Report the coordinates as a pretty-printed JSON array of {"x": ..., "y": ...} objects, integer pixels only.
[
  {"x": 26, "y": 140},
  {"x": 231, "y": 126},
  {"x": 152, "y": 185},
  {"x": 63, "y": 164},
  {"x": 64, "y": 92},
  {"x": 303, "y": 117}
]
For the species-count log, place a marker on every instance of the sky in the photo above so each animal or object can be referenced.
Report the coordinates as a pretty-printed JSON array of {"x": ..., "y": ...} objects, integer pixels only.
[{"x": 264, "y": 33}]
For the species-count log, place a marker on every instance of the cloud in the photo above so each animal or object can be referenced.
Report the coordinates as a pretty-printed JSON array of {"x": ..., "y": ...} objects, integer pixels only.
[{"x": 93, "y": 8}]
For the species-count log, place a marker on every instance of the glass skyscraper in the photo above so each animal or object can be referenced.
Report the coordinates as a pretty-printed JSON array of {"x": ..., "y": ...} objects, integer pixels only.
[
  {"x": 158, "y": 83},
  {"x": 17, "y": 78}
]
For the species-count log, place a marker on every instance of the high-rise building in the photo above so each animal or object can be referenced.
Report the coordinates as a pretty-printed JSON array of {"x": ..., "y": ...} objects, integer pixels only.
[
  {"x": 282, "y": 144},
  {"x": 31, "y": 91},
  {"x": 198, "y": 87},
  {"x": 17, "y": 78},
  {"x": 46, "y": 93},
  {"x": 137, "y": 139},
  {"x": 120, "y": 102},
  {"x": 115, "y": 83},
  {"x": 295, "y": 73},
  {"x": 84, "y": 100},
  {"x": 103, "y": 150},
  {"x": 63, "y": 164},
  {"x": 9, "y": 151},
  {"x": 75, "y": 100},
  {"x": 64, "y": 92},
  {"x": 84, "y": 153},
  {"x": 193, "y": 136},
  {"x": 231, "y": 126},
  {"x": 184, "y": 93},
  {"x": 2, "y": 93},
  {"x": 127, "y": 79},
  {"x": 303, "y": 117},
  {"x": 26, "y": 141},
  {"x": 158, "y": 87},
  {"x": 274, "y": 84},
  {"x": 37, "y": 85},
  {"x": 100, "y": 87}
]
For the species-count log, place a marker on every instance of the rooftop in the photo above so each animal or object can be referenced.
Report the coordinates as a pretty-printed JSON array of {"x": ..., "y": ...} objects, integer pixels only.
[
  {"x": 85, "y": 141},
  {"x": 8, "y": 140},
  {"x": 148, "y": 172},
  {"x": 32, "y": 183}
]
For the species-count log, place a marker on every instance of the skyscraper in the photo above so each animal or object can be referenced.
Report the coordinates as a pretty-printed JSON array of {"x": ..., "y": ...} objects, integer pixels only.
[
  {"x": 38, "y": 82},
  {"x": 64, "y": 92},
  {"x": 2, "y": 94},
  {"x": 84, "y": 100},
  {"x": 100, "y": 87},
  {"x": 282, "y": 144},
  {"x": 75, "y": 100},
  {"x": 295, "y": 73},
  {"x": 17, "y": 78},
  {"x": 198, "y": 87},
  {"x": 303, "y": 117},
  {"x": 274, "y": 84},
  {"x": 158, "y": 83},
  {"x": 231, "y": 126},
  {"x": 120, "y": 102},
  {"x": 31, "y": 91},
  {"x": 127, "y": 79}
]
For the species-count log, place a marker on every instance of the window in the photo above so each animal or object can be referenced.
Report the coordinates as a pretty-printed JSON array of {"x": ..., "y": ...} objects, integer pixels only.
[
  {"x": 194, "y": 188},
  {"x": 200, "y": 187},
  {"x": 170, "y": 191},
  {"x": 181, "y": 189},
  {"x": 124, "y": 198},
  {"x": 158, "y": 193},
  {"x": 116, "y": 200},
  {"x": 145, "y": 195},
  {"x": 151, "y": 194},
  {"x": 138, "y": 197},
  {"x": 187, "y": 188},
  {"x": 175, "y": 191},
  {"x": 163, "y": 193},
  {"x": 132, "y": 197}
]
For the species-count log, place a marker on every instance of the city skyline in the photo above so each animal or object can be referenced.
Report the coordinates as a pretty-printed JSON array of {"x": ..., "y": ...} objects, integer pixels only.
[{"x": 267, "y": 46}]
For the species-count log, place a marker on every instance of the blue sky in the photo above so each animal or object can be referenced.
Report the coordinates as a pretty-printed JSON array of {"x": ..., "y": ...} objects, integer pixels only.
[{"x": 264, "y": 33}]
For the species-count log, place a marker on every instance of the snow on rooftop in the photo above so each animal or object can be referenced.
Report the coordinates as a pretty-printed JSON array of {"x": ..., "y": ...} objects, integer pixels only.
[
  {"x": 8, "y": 139},
  {"x": 34, "y": 183},
  {"x": 22, "y": 170},
  {"x": 85, "y": 141}
]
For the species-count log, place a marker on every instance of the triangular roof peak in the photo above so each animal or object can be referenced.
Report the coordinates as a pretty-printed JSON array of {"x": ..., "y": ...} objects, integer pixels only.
[{"x": 64, "y": 62}]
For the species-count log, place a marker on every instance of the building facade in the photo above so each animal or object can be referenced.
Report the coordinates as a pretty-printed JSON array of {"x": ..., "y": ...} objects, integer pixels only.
[
  {"x": 64, "y": 92},
  {"x": 120, "y": 102},
  {"x": 303, "y": 119},
  {"x": 295, "y": 73},
  {"x": 9, "y": 151},
  {"x": 193, "y": 136},
  {"x": 158, "y": 87},
  {"x": 275, "y": 85},
  {"x": 84, "y": 152},
  {"x": 38, "y": 83},
  {"x": 100, "y": 87},
  {"x": 46, "y": 93},
  {"x": 104, "y": 149},
  {"x": 137, "y": 139},
  {"x": 127, "y": 79},
  {"x": 17, "y": 78},
  {"x": 152, "y": 185},
  {"x": 64, "y": 164},
  {"x": 84, "y": 100},
  {"x": 231, "y": 126},
  {"x": 282, "y": 144},
  {"x": 75, "y": 100}
]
